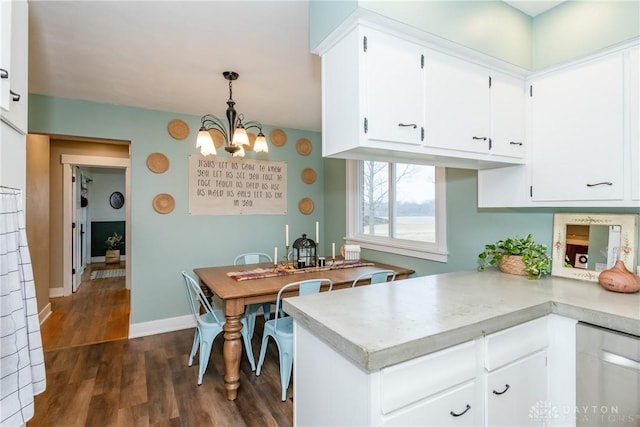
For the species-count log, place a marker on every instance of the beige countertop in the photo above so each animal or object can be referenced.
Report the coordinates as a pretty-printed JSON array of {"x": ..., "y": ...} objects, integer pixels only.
[{"x": 378, "y": 326}]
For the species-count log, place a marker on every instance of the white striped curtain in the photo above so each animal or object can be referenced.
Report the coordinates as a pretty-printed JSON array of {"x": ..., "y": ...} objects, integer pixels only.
[{"x": 22, "y": 370}]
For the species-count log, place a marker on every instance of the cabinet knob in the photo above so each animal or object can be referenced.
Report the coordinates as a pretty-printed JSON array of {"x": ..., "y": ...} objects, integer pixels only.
[
  {"x": 411, "y": 125},
  {"x": 515, "y": 142},
  {"x": 506, "y": 387},
  {"x": 600, "y": 183},
  {"x": 461, "y": 413},
  {"x": 14, "y": 96},
  {"x": 4, "y": 74},
  {"x": 480, "y": 138}
]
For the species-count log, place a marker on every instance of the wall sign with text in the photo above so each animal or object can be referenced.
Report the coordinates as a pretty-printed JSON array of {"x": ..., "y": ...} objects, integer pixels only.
[{"x": 232, "y": 186}]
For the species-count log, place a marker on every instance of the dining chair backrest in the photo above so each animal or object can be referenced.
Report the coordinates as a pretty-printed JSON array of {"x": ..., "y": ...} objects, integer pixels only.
[
  {"x": 197, "y": 298},
  {"x": 375, "y": 277},
  {"x": 305, "y": 287},
  {"x": 252, "y": 258}
]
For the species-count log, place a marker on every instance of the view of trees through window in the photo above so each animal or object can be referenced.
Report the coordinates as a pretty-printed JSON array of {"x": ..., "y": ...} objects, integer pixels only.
[{"x": 398, "y": 200}]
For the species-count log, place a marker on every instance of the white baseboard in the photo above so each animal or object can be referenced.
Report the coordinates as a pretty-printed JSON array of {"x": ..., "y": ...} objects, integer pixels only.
[
  {"x": 161, "y": 326},
  {"x": 45, "y": 313},
  {"x": 56, "y": 292}
]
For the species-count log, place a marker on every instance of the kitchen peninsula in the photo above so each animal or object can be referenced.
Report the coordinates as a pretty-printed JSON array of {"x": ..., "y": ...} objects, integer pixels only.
[{"x": 400, "y": 353}]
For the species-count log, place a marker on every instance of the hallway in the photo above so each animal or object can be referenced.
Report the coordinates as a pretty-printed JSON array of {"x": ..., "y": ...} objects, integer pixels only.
[{"x": 97, "y": 312}]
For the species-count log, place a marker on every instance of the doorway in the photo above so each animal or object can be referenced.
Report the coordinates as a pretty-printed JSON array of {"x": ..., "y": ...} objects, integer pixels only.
[{"x": 70, "y": 201}]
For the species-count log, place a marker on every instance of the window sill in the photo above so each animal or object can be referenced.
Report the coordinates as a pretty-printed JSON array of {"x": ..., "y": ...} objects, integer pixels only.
[{"x": 401, "y": 247}]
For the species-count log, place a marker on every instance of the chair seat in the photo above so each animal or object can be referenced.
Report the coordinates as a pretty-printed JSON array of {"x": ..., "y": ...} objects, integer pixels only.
[{"x": 285, "y": 327}]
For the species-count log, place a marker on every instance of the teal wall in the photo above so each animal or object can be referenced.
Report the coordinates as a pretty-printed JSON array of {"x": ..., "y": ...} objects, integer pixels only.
[
  {"x": 577, "y": 28},
  {"x": 570, "y": 30},
  {"x": 163, "y": 245}
]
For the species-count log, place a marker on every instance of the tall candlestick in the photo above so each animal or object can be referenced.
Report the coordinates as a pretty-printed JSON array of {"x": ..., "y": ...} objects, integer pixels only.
[
  {"x": 275, "y": 255},
  {"x": 333, "y": 250},
  {"x": 317, "y": 232},
  {"x": 286, "y": 235}
]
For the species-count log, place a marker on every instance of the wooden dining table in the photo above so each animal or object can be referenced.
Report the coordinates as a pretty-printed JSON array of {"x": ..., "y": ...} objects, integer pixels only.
[{"x": 236, "y": 294}]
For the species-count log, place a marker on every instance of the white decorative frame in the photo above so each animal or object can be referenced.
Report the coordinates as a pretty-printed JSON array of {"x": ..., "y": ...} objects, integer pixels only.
[{"x": 628, "y": 241}]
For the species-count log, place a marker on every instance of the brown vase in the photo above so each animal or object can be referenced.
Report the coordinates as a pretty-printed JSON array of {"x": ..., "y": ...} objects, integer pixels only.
[{"x": 619, "y": 279}]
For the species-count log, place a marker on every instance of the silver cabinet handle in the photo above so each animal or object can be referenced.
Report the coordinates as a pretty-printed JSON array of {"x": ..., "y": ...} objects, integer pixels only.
[
  {"x": 616, "y": 359},
  {"x": 481, "y": 138},
  {"x": 515, "y": 142},
  {"x": 461, "y": 413},
  {"x": 600, "y": 183},
  {"x": 14, "y": 96},
  {"x": 408, "y": 125},
  {"x": 4, "y": 74}
]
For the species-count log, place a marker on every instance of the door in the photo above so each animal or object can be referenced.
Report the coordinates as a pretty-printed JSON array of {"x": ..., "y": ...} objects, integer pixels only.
[{"x": 77, "y": 267}]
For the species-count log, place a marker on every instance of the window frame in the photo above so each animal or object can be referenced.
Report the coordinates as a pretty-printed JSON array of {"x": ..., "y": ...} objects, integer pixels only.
[{"x": 436, "y": 251}]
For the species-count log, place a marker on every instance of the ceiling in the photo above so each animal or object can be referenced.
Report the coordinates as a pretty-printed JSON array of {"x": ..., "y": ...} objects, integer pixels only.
[{"x": 170, "y": 55}]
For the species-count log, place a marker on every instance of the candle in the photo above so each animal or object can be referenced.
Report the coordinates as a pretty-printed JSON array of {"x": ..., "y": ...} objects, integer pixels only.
[
  {"x": 317, "y": 232},
  {"x": 275, "y": 255},
  {"x": 286, "y": 235},
  {"x": 333, "y": 250}
]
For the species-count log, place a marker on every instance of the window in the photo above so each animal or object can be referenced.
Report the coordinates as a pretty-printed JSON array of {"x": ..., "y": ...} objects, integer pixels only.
[{"x": 397, "y": 207}]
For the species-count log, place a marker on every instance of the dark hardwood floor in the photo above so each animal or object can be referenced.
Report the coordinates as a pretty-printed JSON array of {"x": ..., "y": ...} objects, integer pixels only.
[{"x": 146, "y": 381}]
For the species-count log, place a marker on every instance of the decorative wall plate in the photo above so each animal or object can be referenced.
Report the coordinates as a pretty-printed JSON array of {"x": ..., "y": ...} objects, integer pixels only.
[
  {"x": 278, "y": 137},
  {"x": 163, "y": 203},
  {"x": 157, "y": 162},
  {"x": 178, "y": 129},
  {"x": 116, "y": 200},
  {"x": 303, "y": 146},
  {"x": 308, "y": 176},
  {"x": 306, "y": 206}
]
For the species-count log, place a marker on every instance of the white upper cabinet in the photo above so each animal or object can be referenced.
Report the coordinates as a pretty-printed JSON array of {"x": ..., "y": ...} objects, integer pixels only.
[
  {"x": 13, "y": 84},
  {"x": 583, "y": 144},
  {"x": 394, "y": 96},
  {"x": 577, "y": 123},
  {"x": 458, "y": 104},
  {"x": 507, "y": 115},
  {"x": 391, "y": 97}
]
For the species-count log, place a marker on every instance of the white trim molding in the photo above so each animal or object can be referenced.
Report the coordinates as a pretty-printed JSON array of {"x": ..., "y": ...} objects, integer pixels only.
[{"x": 161, "y": 326}]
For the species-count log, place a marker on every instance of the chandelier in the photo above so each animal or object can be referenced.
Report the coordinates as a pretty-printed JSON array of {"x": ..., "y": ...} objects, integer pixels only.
[{"x": 233, "y": 133}]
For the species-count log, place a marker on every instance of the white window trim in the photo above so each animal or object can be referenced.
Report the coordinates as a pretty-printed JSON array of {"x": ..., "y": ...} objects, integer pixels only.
[{"x": 430, "y": 251}]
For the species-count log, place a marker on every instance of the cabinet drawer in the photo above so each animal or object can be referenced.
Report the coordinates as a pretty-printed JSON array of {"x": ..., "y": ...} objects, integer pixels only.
[
  {"x": 511, "y": 344},
  {"x": 461, "y": 401},
  {"x": 412, "y": 381}
]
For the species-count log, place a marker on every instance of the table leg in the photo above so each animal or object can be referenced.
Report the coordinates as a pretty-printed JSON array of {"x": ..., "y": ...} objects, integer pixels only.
[{"x": 232, "y": 350}]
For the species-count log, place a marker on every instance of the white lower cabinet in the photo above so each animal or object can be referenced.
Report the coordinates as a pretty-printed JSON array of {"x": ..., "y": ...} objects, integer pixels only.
[
  {"x": 523, "y": 375},
  {"x": 455, "y": 407},
  {"x": 515, "y": 393}
]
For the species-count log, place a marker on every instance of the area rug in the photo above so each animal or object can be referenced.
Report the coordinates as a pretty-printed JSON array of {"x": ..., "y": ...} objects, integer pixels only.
[{"x": 107, "y": 274}]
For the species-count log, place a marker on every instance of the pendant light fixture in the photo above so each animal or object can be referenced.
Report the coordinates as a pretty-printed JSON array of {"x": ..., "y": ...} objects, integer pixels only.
[{"x": 234, "y": 132}]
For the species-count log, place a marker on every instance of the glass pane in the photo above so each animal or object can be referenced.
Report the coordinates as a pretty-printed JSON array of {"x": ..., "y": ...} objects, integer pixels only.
[
  {"x": 375, "y": 198},
  {"x": 415, "y": 203}
]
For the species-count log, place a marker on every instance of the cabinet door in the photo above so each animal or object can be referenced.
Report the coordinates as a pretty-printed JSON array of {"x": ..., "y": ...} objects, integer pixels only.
[
  {"x": 507, "y": 115},
  {"x": 577, "y": 133},
  {"x": 457, "y": 407},
  {"x": 458, "y": 104},
  {"x": 393, "y": 99},
  {"x": 516, "y": 393},
  {"x": 5, "y": 53},
  {"x": 15, "y": 112},
  {"x": 633, "y": 91}
]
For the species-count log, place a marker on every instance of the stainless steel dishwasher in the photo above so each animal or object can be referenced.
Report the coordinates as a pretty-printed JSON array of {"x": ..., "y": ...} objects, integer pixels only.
[{"x": 607, "y": 377}]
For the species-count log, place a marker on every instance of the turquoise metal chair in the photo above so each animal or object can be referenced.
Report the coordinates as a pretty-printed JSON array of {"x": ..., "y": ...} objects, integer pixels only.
[
  {"x": 252, "y": 309},
  {"x": 375, "y": 277},
  {"x": 208, "y": 326},
  {"x": 281, "y": 329}
]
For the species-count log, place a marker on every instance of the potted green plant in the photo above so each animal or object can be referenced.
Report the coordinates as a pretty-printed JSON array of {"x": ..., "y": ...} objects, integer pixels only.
[
  {"x": 516, "y": 256},
  {"x": 113, "y": 243}
]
